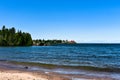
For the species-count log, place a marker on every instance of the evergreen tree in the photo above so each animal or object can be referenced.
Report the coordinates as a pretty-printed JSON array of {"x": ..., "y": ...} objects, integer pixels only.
[{"x": 9, "y": 37}]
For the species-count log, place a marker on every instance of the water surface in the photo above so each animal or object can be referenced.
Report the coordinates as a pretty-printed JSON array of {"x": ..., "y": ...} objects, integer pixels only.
[{"x": 95, "y": 56}]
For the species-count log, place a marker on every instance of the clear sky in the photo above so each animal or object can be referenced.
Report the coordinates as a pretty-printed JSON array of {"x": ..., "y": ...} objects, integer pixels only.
[{"x": 80, "y": 20}]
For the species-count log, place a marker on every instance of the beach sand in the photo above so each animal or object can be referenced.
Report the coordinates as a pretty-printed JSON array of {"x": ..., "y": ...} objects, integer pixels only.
[
  {"x": 8, "y": 73},
  {"x": 18, "y": 76}
]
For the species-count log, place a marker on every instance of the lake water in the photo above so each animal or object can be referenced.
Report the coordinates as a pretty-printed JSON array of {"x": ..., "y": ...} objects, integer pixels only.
[{"x": 105, "y": 57}]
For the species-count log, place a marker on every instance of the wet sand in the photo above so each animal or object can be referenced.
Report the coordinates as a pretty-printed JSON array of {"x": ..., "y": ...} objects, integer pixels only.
[{"x": 8, "y": 73}]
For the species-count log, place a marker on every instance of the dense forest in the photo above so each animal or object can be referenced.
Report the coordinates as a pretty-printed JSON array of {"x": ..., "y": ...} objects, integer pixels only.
[{"x": 9, "y": 37}]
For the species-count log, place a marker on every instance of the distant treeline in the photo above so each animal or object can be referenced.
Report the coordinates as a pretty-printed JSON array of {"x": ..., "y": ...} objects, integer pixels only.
[
  {"x": 9, "y": 37},
  {"x": 51, "y": 42}
]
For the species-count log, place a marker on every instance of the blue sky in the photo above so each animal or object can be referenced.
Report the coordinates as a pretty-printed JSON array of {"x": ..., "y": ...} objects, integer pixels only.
[{"x": 79, "y": 20}]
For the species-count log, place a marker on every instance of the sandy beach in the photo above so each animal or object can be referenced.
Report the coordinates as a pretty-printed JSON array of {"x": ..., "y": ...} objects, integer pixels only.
[
  {"x": 9, "y": 71},
  {"x": 11, "y": 74},
  {"x": 7, "y": 74},
  {"x": 18, "y": 76}
]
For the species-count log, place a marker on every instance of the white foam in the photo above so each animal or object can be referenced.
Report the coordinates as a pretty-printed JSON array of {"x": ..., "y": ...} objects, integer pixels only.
[
  {"x": 80, "y": 79},
  {"x": 46, "y": 72}
]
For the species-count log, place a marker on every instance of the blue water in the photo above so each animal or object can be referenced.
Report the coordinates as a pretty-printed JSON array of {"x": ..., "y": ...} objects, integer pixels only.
[{"x": 94, "y": 55}]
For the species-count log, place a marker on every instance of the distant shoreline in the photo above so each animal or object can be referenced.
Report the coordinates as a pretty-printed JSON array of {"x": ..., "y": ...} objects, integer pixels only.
[{"x": 68, "y": 44}]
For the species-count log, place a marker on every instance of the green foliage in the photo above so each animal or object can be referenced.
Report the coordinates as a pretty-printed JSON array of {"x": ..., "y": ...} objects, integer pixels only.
[
  {"x": 9, "y": 37},
  {"x": 51, "y": 42}
]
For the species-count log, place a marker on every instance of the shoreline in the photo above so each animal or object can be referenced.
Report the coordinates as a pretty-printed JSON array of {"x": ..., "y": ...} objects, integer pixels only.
[
  {"x": 14, "y": 72},
  {"x": 9, "y": 74}
]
